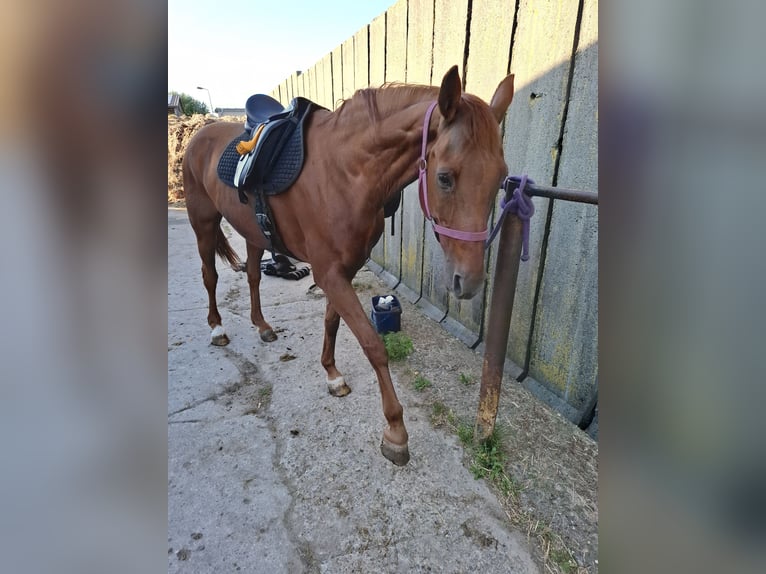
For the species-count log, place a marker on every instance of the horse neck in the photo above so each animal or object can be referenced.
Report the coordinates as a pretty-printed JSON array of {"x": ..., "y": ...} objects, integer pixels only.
[{"x": 385, "y": 152}]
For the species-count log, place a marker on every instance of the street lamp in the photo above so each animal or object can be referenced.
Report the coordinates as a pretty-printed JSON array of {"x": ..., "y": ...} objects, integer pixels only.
[{"x": 209, "y": 99}]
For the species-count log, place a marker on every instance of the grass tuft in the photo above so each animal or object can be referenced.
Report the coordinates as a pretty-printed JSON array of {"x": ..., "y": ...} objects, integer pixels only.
[
  {"x": 421, "y": 383},
  {"x": 465, "y": 433},
  {"x": 438, "y": 409},
  {"x": 438, "y": 413},
  {"x": 487, "y": 457},
  {"x": 398, "y": 346},
  {"x": 489, "y": 462},
  {"x": 563, "y": 559}
]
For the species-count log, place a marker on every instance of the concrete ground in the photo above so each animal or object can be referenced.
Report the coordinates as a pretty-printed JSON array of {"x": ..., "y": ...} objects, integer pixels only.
[{"x": 269, "y": 473}]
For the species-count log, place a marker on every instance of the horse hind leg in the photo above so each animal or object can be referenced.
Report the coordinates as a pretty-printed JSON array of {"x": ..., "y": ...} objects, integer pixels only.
[
  {"x": 205, "y": 220},
  {"x": 336, "y": 384},
  {"x": 254, "y": 255},
  {"x": 212, "y": 241}
]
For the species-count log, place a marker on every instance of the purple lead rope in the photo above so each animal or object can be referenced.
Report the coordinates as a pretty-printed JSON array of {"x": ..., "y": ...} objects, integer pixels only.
[{"x": 520, "y": 204}]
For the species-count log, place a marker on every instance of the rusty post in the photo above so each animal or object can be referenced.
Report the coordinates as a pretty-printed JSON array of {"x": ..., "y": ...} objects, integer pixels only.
[{"x": 500, "y": 310}]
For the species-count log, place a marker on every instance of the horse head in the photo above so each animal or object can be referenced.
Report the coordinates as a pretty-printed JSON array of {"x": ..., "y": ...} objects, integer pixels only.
[{"x": 461, "y": 176}]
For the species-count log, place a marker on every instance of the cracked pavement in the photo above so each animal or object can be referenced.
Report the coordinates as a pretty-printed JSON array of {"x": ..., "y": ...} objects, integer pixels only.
[{"x": 269, "y": 473}]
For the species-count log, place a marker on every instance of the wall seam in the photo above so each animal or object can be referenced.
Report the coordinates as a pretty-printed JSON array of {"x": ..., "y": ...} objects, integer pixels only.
[{"x": 466, "y": 46}]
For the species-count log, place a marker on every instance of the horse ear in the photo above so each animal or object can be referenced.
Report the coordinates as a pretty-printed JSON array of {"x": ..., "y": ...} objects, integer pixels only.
[
  {"x": 449, "y": 94},
  {"x": 502, "y": 98}
]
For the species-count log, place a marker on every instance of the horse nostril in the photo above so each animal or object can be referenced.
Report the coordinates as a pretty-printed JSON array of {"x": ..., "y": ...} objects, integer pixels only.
[{"x": 457, "y": 282}]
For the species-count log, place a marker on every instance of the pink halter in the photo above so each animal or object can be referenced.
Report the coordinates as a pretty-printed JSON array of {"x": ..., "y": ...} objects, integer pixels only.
[{"x": 423, "y": 192}]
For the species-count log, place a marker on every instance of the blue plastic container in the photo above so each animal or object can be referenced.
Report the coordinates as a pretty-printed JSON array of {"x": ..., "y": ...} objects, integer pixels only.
[{"x": 386, "y": 320}]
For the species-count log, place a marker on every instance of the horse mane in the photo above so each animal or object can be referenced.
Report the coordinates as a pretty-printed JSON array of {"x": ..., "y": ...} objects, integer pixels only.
[
  {"x": 383, "y": 101},
  {"x": 393, "y": 96}
]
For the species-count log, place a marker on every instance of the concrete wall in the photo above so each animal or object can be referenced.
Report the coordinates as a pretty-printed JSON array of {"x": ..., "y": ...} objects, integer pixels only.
[{"x": 550, "y": 133}]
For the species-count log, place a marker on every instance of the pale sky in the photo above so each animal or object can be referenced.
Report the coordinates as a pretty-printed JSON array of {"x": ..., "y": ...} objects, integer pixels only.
[{"x": 236, "y": 48}]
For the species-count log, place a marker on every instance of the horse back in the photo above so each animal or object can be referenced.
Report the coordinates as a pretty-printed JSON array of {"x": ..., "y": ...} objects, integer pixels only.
[
  {"x": 205, "y": 192},
  {"x": 206, "y": 147}
]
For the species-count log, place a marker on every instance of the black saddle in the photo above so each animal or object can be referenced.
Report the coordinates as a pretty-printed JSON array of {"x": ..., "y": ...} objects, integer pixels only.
[
  {"x": 259, "y": 108},
  {"x": 273, "y": 146},
  {"x": 277, "y": 159}
]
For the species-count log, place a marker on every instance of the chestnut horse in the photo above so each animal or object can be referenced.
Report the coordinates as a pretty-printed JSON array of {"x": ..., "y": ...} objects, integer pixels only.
[{"x": 355, "y": 159}]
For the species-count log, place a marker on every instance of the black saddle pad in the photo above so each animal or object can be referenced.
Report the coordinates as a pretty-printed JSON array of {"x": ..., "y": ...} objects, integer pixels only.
[
  {"x": 279, "y": 161},
  {"x": 227, "y": 165},
  {"x": 288, "y": 165}
]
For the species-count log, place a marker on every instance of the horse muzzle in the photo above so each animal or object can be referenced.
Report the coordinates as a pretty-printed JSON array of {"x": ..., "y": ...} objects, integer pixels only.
[{"x": 463, "y": 285}]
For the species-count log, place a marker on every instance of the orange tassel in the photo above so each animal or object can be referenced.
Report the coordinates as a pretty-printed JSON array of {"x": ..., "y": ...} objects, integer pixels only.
[{"x": 244, "y": 147}]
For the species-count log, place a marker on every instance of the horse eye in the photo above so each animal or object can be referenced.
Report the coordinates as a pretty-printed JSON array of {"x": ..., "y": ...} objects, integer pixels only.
[{"x": 445, "y": 180}]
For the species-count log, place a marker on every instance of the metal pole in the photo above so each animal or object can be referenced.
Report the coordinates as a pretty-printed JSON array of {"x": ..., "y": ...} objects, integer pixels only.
[
  {"x": 209, "y": 99},
  {"x": 501, "y": 308},
  {"x": 562, "y": 193}
]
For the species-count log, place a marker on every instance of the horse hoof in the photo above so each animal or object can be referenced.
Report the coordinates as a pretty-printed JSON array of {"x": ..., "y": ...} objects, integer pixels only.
[
  {"x": 398, "y": 454},
  {"x": 218, "y": 337},
  {"x": 268, "y": 336},
  {"x": 338, "y": 387}
]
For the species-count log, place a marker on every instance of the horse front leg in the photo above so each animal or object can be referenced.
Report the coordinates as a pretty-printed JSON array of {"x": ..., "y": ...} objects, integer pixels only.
[
  {"x": 336, "y": 384},
  {"x": 254, "y": 255},
  {"x": 345, "y": 302}
]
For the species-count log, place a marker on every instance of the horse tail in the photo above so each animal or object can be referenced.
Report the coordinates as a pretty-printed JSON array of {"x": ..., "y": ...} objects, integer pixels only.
[{"x": 225, "y": 251}]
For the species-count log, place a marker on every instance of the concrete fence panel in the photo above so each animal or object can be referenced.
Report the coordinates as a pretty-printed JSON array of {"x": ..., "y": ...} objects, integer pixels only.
[
  {"x": 311, "y": 84},
  {"x": 337, "y": 76},
  {"x": 328, "y": 96},
  {"x": 290, "y": 88},
  {"x": 304, "y": 78},
  {"x": 377, "y": 69},
  {"x": 362, "y": 58},
  {"x": 349, "y": 65},
  {"x": 378, "y": 51},
  {"x": 396, "y": 70},
  {"x": 564, "y": 347},
  {"x": 300, "y": 84},
  {"x": 420, "y": 34},
  {"x": 540, "y": 61}
]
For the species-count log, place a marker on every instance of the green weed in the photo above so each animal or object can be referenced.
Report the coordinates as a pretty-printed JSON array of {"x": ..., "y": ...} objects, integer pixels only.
[
  {"x": 438, "y": 409},
  {"x": 398, "y": 346},
  {"x": 438, "y": 413},
  {"x": 489, "y": 462},
  {"x": 466, "y": 379},
  {"x": 563, "y": 559},
  {"x": 465, "y": 433},
  {"x": 421, "y": 383}
]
